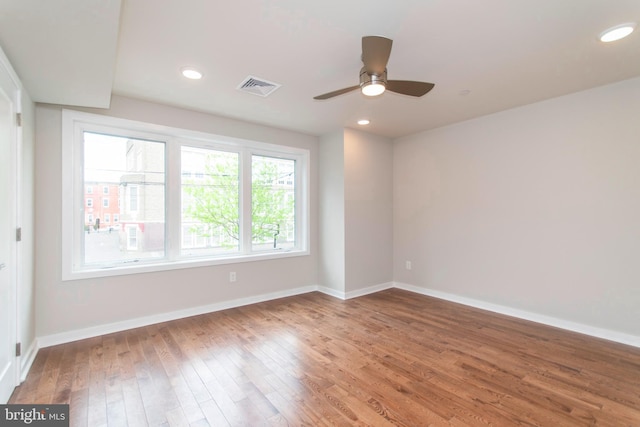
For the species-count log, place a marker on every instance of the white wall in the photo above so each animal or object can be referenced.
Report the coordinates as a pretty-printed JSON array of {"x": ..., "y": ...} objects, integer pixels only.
[
  {"x": 331, "y": 212},
  {"x": 368, "y": 210},
  {"x": 356, "y": 232},
  {"x": 535, "y": 208},
  {"x": 65, "y": 307}
]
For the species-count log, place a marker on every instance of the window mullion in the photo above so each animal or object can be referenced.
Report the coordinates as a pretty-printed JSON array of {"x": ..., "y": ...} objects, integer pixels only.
[
  {"x": 245, "y": 202},
  {"x": 78, "y": 187},
  {"x": 173, "y": 207},
  {"x": 302, "y": 202}
]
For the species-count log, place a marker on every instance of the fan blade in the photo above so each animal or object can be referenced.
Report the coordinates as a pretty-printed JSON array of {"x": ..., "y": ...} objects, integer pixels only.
[
  {"x": 375, "y": 53},
  {"x": 407, "y": 87},
  {"x": 336, "y": 92}
]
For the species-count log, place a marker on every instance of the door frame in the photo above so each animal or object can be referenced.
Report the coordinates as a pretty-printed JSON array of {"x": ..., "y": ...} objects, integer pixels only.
[{"x": 15, "y": 203}]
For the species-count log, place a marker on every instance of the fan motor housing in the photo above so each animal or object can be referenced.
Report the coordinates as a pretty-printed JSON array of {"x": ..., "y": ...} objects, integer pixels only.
[{"x": 367, "y": 79}]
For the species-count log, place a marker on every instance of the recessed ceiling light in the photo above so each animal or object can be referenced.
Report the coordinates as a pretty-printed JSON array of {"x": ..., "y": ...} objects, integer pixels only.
[
  {"x": 363, "y": 122},
  {"x": 618, "y": 32},
  {"x": 191, "y": 73}
]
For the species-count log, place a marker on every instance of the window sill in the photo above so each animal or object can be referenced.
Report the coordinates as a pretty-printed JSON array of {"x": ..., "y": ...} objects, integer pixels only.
[{"x": 151, "y": 267}]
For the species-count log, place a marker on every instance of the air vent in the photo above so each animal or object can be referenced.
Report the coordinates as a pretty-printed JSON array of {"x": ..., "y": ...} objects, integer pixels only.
[{"x": 258, "y": 86}]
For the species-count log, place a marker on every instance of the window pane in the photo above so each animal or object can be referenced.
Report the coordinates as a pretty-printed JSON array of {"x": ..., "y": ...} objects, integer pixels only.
[
  {"x": 134, "y": 194},
  {"x": 273, "y": 203},
  {"x": 210, "y": 202}
]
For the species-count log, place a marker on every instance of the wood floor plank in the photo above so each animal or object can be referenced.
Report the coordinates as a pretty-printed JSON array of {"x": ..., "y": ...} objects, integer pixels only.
[
  {"x": 79, "y": 407},
  {"x": 134, "y": 406},
  {"x": 47, "y": 380},
  {"x": 390, "y": 358},
  {"x": 213, "y": 414},
  {"x": 97, "y": 401}
]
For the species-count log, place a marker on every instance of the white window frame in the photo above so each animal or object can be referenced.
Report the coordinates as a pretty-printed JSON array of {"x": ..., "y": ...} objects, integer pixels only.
[{"x": 74, "y": 123}]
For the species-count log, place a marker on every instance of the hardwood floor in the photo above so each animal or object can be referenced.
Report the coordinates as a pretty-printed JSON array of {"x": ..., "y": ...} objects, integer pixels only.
[{"x": 391, "y": 358}]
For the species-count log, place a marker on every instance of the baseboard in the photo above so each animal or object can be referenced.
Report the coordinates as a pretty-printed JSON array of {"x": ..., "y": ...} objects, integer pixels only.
[
  {"x": 369, "y": 290},
  {"x": 356, "y": 293},
  {"x": 606, "y": 334},
  {"x": 26, "y": 359},
  {"x": 332, "y": 292},
  {"x": 79, "y": 334}
]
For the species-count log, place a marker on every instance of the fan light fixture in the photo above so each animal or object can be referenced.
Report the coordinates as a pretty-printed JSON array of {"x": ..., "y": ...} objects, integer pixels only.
[
  {"x": 373, "y": 89},
  {"x": 618, "y": 32},
  {"x": 372, "y": 84}
]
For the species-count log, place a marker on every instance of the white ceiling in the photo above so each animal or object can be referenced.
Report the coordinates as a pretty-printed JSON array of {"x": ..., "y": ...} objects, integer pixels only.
[
  {"x": 64, "y": 51},
  {"x": 501, "y": 53}
]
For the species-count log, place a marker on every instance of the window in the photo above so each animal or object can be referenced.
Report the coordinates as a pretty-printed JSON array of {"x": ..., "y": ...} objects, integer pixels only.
[
  {"x": 89, "y": 189},
  {"x": 105, "y": 160},
  {"x": 210, "y": 206},
  {"x": 273, "y": 203},
  {"x": 185, "y": 198},
  {"x": 131, "y": 232},
  {"x": 132, "y": 191}
]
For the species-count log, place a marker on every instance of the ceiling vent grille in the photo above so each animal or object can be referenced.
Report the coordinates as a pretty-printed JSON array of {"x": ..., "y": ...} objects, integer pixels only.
[{"x": 258, "y": 86}]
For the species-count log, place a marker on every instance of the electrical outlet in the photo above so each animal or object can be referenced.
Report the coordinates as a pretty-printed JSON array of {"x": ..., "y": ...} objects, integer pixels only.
[
  {"x": 407, "y": 265},
  {"x": 232, "y": 276}
]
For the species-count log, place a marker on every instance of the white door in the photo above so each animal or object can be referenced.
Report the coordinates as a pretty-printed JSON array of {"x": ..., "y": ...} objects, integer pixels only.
[{"x": 8, "y": 269}]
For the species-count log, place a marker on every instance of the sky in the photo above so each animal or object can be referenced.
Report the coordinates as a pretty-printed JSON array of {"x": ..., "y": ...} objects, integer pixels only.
[{"x": 105, "y": 157}]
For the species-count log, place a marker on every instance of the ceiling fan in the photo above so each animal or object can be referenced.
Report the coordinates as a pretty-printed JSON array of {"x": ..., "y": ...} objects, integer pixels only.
[{"x": 373, "y": 76}]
